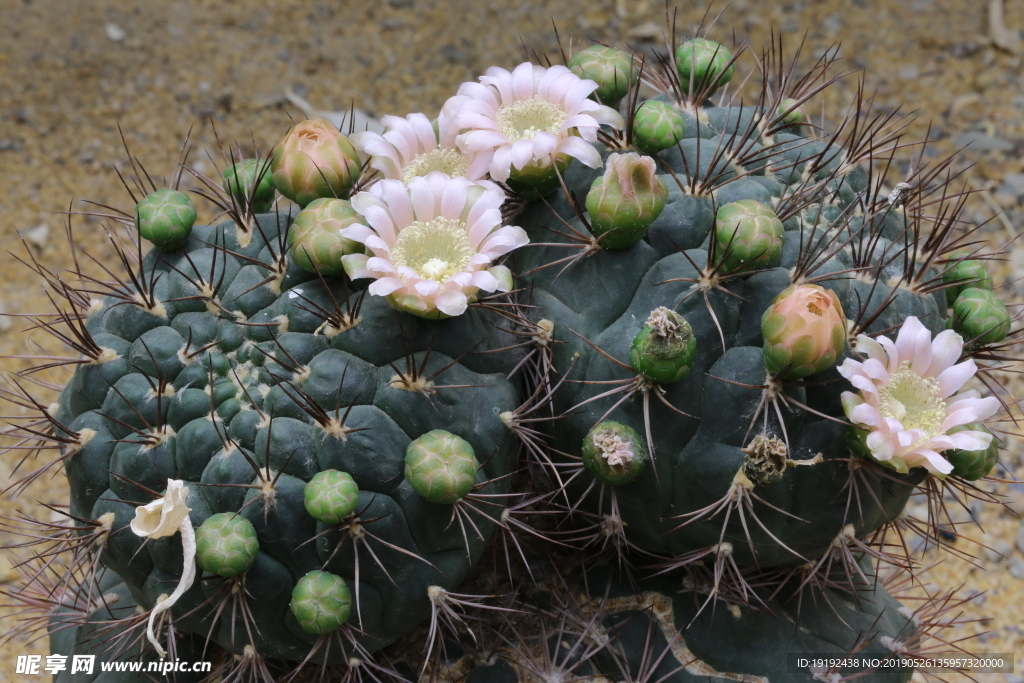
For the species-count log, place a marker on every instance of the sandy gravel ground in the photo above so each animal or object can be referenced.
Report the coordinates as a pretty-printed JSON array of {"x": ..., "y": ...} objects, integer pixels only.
[{"x": 71, "y": 72}]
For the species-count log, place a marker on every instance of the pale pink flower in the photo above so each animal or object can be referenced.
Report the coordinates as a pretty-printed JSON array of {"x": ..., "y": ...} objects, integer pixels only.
[
  {"x": 432, "y": 242},
  {"x": 907, "y": 398},
  {"x": 412, "y": 147},
  {"x": 531, "y": 114}
]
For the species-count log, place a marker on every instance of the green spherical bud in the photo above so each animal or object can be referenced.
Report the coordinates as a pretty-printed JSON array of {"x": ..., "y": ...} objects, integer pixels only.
[
  {"x": 963, "y": 274},
  {"x": 331, "y": 496},
  {"x": 538, "y": 178},
  {"x": 314, "y": 238},
  {"x": 656, "y": 127},
  {"x": 792, "y": 114},
  {"x": 251, "y": 183},
  {"x": 973, "y": 465},
  {"x": 701, "y": 62},
  {"x": 749, "y": 235},
  {"x": 226, "y": 544},
  {"x": 980, "y": 317},
  {"x": 165, "y": 218},
  {"x": 611, "y": 69},
  {"x": 614, "y": 453},
  {"x": 624, "y": 202},
  {"x": 804, "y": 331},
  {"x": 314, "y": 161},
  {"x": 441, "y": 467},
  {"x": 664, "y": 349},
  {"x": 321, "y": 602}
]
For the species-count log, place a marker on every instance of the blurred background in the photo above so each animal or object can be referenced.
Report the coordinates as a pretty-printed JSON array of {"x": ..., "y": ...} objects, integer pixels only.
[{"x": 72, "y": 73}]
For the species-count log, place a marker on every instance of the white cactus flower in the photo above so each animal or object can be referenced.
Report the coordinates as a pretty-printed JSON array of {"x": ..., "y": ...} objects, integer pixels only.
[{"x": 907, "y": 398}]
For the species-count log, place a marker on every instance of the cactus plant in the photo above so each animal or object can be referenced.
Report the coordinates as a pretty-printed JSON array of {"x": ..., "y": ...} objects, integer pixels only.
[{"x": 451, "y": 420}]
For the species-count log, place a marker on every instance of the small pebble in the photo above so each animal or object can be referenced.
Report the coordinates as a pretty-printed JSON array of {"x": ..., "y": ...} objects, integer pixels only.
[
  {"x": 1020, "y": 538},
  {"x": 115, "y": 33},
  {"x": 998, "y": 551},
  {"x": 1017, "y": 569},
  {"x": 38, "y": 235},
  {"x": 978, "y": 142},
  {"x": 1014, "y": 182}
]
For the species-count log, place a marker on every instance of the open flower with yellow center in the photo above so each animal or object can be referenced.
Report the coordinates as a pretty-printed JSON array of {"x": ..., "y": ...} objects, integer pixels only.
[
  {"x": 531, "y": 115},
  {"x": 907, "y": 400},
  {"x": 432, "y": 242},
  {"x": 412, "y": 147}
]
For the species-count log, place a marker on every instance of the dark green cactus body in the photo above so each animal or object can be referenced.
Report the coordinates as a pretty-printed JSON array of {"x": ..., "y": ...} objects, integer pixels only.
[
  {"x": 717, "y": 410},
  {"x": 265, "y": 394}
]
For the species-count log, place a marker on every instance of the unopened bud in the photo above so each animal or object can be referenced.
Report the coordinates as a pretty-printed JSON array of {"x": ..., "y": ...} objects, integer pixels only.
[{"x": 624, "y": 202}]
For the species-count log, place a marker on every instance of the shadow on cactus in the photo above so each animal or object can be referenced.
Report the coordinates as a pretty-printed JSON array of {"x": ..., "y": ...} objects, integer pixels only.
[{"x": 561, "y": 383}]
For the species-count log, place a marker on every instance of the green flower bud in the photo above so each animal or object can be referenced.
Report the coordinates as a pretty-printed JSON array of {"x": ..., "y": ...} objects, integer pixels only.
[
  {"x": 539, "y": 178},
  {"x": 964, "y": 274},
  {"x": 980, "y": 317},
  {"x": 657, "y": 126},
  {"x": 664, "y": 349},
  {"x": 614, "y": 453},
  {"x": 792, "y": 114},
  {"x": 625, "y": 200},
  {"x": 321, "y": 602},
  {"x": 165, "y": 218},
  {"x": 331, "y": 496},
  {"x": 749, "y": 236},
  {"x": 314, "y": 238},
  {"x": 973, "y": 465},
  {"x": 239, "y": 181},
  {"x": 441, "y": 467},
  {"x": 226, "y": 544},
  {"x": 700, "y": 61},
  {"x": 314, "y": 161},
  {"x": 611, "y": 69},
  {"x": 804, "y": 329}
]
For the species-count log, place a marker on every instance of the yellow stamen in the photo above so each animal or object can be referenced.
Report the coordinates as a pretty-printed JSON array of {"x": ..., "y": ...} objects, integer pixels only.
[{"x": 522, "y": 120}]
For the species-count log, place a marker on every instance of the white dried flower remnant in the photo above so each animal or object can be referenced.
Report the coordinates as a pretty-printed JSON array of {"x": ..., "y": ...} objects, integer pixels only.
[
  {"x": 165, "y": 517},
  {"x": 899, "y": 195},
  {"x": 613, "y": 448},
  {"x": 664, "y": 321}
]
